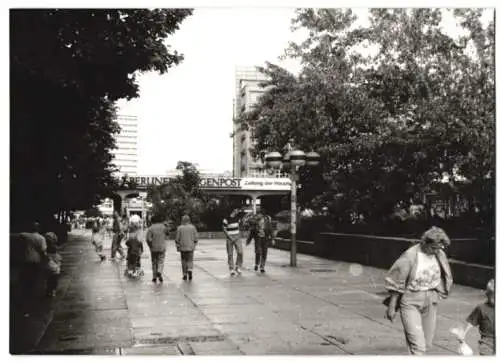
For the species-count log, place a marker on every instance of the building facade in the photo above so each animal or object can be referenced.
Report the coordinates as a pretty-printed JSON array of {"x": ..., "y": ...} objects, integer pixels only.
[
  {"x": 125, "y": 156},
  {"x": 247, "y": 92}
]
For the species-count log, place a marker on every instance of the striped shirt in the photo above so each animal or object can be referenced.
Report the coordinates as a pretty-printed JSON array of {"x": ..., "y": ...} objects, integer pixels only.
[{"x": 231, "y": 227}]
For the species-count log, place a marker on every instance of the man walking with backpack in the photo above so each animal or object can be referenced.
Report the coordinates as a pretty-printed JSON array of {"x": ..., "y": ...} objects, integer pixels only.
[{"x": 262, "y": 234}]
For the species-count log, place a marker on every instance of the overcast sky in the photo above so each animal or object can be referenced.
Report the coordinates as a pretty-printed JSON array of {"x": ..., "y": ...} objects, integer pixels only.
[{"x": 187, "y": 113}]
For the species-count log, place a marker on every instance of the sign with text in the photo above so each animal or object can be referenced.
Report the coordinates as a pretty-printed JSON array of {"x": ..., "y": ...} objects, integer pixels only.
[
  {"x": 147, "y": 181},
  {"x": 222, "y": 183},
  {"x": 246, "y": 183},
  {"x": 266, "y": 184}
]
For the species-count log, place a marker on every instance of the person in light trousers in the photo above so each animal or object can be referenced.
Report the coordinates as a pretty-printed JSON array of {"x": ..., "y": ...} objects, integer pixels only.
[
  {"x": 186, "y": 240},
  {"x": 156, "y": 238},
  {"x": 231, "y": 228},
  {"x": 417, "y": 281}
]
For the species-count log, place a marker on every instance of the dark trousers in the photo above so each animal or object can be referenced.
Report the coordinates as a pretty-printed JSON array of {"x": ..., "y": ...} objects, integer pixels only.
[
  {"x": 116, "y": 245},
  {"x": 52, "y": 282},
  {"x": 260, "y": 251},
  {"x": 133, "y": 261},
  {"x": 187, "y": 261},
  {"x": 30, "y": 276},
  {"x": 157, "y": 260}
]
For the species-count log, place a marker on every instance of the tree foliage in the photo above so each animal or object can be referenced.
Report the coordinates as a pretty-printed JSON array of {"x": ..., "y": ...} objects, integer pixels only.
[
  {"x": 68, "y": 67},
  {"x": 182, "y": 195},
  {"x": 391, "y": 106},
  {"x": 179, "y": 196}
]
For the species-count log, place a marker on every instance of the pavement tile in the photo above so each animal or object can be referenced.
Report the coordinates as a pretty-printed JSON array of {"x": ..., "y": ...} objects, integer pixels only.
[
  {"x": 162, "y": 331},
  {"x": 172, "y": 323},
  {"x": 202, "y": 302},
  {"x": 247, "y": 344},
  {"x": 167, "y": 349},
  {"x": 214, "y": 348}
]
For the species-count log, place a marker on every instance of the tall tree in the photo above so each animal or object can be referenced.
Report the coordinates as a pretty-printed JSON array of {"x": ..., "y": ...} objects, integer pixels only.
[
  {"x": 190, "y": 177},
  {"x": 418, "y": 107},
  {"x": 68, "y": 67},
  {"x": 179, "y": 196}
]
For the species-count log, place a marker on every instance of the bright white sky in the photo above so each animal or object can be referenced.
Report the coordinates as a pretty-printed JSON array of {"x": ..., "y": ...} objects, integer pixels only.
[{"x": 187, "y": 113}]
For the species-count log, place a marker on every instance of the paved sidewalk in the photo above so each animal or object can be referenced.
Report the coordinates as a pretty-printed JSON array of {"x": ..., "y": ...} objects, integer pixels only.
[{"x": 322, "y": 307}]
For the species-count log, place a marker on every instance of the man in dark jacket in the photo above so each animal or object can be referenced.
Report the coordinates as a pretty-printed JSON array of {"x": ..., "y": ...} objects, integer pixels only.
[
  {"x": 156, "y": 238},
  {"x": 262, "y": 233}
]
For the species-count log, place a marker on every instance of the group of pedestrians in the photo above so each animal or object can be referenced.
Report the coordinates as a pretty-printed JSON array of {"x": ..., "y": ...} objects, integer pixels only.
[
  {"x": 186, "y": 241},
  {"x": 38, "y": 258},
  {"x": 261, "y": 232},
  {"x": 417, "y": 281},
  {"x": 156, "y": 237}
]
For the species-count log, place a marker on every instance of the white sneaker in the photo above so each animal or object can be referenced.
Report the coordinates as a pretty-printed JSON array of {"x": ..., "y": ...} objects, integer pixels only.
[
  {"x": 238, "y": 271},
  {"x": 232, "y": 272}
]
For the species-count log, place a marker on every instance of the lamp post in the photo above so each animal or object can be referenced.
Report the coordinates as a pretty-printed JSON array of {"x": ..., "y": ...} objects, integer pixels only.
[{"x": 294, "y": 159}]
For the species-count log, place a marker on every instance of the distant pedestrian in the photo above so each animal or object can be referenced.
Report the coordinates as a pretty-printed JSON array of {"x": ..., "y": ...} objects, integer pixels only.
[
  {"x": 231, "y": 228},
  {"x": 135, "y": 222},
  {"x": 97, "y": 239},
  {"x": 135, "y": 227},
  {"x": 186, "y": 240},
  {"x": 109, "y": 227},
  {"x": 483, "y": 316},
  {"x": 118, "y": 235},
  {"x": 417, "y": 281},
  {"x": 54, "y": 261},
  {"x": 134, "y": 253},
  {"x": 156, "y": 238}
]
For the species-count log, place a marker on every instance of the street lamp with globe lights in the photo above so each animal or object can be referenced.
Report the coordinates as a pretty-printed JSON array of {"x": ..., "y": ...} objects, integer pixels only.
[{"x": 293, "y": 159}]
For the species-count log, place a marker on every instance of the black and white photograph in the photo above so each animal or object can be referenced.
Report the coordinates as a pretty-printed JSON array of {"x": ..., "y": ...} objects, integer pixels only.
[{"x": 251, "y": 180}]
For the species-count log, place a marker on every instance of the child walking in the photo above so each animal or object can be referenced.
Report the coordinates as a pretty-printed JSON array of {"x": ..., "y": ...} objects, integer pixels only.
[
  {"x": 54, "y": 261},
  {"x": 134, "y": 252},
  {"x": 483, "y": 316},
  {"x": 97, "y": 239}
]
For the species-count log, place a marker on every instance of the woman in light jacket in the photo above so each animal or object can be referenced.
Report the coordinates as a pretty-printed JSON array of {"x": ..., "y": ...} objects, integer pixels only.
[
  {"x": 186, "y": 240},
  {"x": 416, "y": 282}
]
